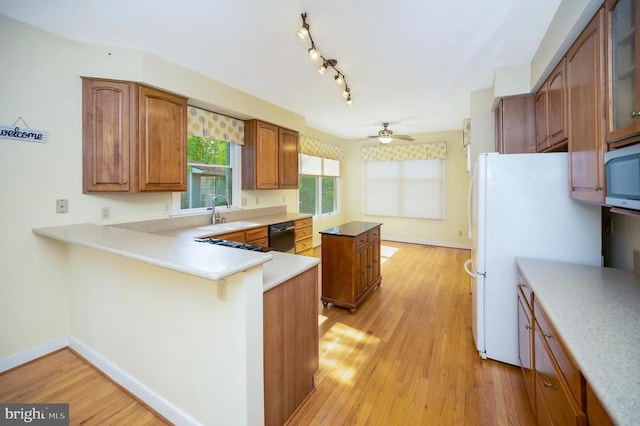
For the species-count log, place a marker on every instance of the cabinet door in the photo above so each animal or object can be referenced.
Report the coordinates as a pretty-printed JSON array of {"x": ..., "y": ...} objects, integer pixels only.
[
  {"x": 516, "y": 125},
  {"x": 624, "y": 91},
  {"x": 107, "y": 129},
  {"x": 360, "y": 272},
  {"x": 542, "y": 131},
  {"x": 586, "y": 88},
  {"x": 557, "y": 104},
  {"x": 162, "y": 148},
  {"x": 525, "y": 342},
  {"x": 266, "y": 156},
  {"x": 288, "y": 160}
]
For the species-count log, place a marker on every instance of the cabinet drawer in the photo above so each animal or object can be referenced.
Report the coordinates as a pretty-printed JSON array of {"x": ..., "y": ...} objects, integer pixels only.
[
  {"x": 262, "y": 242},
  {"x": 302, "y": 233},
  {"x": 303, "y": 245},
  {"x": 560, "y": 354},
  {"x": 374, "y": 234},
  {"x": 553, "y": 393},
  {"x": 257, "y": 233},
  {"x": 525, "y": 290},
  {"x": 301, "y": 223},
  {"x": 232, "y": 236},
  {"x": 362, "y": 239}
]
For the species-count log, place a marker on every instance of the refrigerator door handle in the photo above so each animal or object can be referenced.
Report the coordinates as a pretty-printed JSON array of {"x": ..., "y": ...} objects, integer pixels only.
[
  {"x": 470, "y": 208},
  {"x": 467, "y": 268}
]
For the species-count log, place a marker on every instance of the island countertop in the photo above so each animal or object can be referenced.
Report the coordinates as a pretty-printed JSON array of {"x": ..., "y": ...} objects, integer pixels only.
[
  {"x": 181, "y": 254},
  {"x": 597, "y": 313},
  {"x": 351, "y": 229}
]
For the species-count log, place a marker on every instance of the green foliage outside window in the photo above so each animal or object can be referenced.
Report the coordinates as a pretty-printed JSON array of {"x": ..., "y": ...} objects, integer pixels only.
[
  {"x": 317, "y": 195},
  {"x": 203, "y": 177}
]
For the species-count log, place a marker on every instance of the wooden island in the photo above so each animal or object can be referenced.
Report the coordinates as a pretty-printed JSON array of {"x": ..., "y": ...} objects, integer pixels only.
[{"x": 350, "y": 263}]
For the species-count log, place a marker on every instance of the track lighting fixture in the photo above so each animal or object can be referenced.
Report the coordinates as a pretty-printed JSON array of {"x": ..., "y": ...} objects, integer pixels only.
[{"x": 303, "y": 33}]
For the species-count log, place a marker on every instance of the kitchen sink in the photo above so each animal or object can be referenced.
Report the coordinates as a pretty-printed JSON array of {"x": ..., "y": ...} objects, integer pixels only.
[{"x": 229, "y": 226}]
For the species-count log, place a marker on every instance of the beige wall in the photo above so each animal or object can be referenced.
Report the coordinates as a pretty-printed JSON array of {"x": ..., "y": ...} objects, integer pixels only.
[
  {"x": 450, "y": 232},
  {"x": 41, "y": 84}
]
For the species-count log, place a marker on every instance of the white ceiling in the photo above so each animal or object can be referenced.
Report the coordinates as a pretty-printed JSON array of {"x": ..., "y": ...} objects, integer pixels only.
[{"x": 412, "y": 63}]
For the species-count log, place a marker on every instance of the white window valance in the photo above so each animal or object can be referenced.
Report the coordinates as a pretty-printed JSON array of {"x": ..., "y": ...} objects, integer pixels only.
[
  {"x": 318, "y": 148},
  {"x": 425, "y": 151},
  {"x": 208, "y": 124}
]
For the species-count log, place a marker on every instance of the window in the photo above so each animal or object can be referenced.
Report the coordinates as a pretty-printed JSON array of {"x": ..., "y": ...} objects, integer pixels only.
[
  {"x": 212, "y": 168},
  {"x": 318, "y": 185},
  {"x": 410, "y": 188}
]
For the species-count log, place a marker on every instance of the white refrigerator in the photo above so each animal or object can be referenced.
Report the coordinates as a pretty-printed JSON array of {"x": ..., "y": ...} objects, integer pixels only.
[{"x": 520, "y": 207}]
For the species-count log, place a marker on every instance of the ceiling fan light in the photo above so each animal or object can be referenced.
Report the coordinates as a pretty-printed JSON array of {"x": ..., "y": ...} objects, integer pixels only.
[{"x": 385, "y": 139}]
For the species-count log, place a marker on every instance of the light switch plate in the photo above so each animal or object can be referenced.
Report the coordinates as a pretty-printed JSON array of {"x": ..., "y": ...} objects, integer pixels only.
[{"x": 62, "y": 206}]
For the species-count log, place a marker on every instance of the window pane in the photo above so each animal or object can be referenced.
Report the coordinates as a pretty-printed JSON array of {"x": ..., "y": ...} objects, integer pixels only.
[
  {"x": 307, "y": 195},
  {"x": 328, "y": 195},
  {"x": 208, "y": 173}
]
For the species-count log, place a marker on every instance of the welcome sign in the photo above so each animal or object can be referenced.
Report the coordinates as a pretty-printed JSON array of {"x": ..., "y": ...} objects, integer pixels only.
[{"x": 27, "y": 135}]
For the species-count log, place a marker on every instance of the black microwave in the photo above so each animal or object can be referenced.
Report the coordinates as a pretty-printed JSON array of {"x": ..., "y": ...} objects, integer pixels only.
[{"x": 622, "y": 173}]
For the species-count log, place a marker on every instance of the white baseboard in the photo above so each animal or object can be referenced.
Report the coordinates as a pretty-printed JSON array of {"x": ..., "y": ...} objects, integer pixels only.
[
  {"x": 33, "y": 353},
  {"x": 137, "y": 388},
  {"x": 427, "y": 242}
]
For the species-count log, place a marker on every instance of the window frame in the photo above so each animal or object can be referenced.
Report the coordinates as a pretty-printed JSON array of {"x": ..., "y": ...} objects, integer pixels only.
[
  {"x": 318, "y": 202},
  {"x": 235, "y": 150}
]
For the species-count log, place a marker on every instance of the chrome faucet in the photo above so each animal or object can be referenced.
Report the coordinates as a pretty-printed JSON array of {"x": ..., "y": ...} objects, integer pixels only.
[{"x": 215, "y": 216}]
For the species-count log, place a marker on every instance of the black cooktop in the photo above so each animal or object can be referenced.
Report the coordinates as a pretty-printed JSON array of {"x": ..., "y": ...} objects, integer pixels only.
[{"x": 232, "y": 244}]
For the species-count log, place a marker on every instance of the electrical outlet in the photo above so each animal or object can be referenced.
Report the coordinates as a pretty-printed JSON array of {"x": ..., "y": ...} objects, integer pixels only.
[
  {"x": 167, "y": 208},
  {"x": 106, "y": 212},
  {"x": 459, "y": 233},
  {"x": 62, "y": 206},
  {"x": 222, "y": 290}
]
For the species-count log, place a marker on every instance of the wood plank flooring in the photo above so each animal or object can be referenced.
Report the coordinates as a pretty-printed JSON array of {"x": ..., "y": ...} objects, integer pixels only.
[
  {"x": 63, "y": 377},
  {"x": 407, "y": 356}
]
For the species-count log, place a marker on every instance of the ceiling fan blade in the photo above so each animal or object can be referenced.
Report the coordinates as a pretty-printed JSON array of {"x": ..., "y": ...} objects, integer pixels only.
[
  {"x": 372, "y": 137},
  {"x": 404, "y": 137}
]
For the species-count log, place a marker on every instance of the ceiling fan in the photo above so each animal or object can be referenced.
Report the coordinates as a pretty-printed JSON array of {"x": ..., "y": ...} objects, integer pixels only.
[{"x": 386, "y": 136}]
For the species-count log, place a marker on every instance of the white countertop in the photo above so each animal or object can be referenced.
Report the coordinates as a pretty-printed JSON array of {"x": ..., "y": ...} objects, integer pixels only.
[
  {"x": 597, "y": 313},
  {"x": 181, "y": 253}
]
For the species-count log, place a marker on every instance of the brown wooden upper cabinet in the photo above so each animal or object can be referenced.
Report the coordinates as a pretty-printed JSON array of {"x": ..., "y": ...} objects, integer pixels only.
[
  {"x": 623, "y": 36},
  {"x": 551, "y": 111},
  {"x": 269, "y": 157},
  {"x": 585, "y": 81},
  {"x": 133, "y": 138},
  {"x": 515, "y": 125}
]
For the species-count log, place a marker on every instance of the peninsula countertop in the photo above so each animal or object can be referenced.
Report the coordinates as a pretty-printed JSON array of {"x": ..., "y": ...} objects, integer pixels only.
[
  {"x": 597, "y": 313},
  {"x": 181, "y": 254}
]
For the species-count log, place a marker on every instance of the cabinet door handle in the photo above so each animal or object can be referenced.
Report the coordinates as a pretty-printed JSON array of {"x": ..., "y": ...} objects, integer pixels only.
[
  {"x": 599, "y": 188},
  {"x": 635, "y": 114},
  {"x": 547, "y": 335},
  {"x": 528, "y": 327},
  {"x": 547, "y": 384},
  {"x": 124, "y": 182}
]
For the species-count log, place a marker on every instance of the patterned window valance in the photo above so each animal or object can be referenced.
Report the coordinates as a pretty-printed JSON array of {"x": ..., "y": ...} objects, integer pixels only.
[
  {"x": 318, "y": 148},
  {"x": 425, "y": 151},
  {"x": 208, "y": 124}
]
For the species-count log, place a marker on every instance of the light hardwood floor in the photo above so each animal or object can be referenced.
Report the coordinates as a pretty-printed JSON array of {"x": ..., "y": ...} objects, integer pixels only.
[
  {"x": 63, "y": 377},
  {"x": 405, "y": 358}
]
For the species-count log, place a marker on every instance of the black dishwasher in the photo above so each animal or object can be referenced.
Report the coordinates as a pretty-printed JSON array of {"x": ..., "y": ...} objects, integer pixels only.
[{"x": 282, "y": 237}]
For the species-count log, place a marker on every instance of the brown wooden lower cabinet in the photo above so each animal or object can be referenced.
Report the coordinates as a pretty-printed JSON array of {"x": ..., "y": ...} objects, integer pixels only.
[
  {"x": 350, "y": 263},
  {"x": 290, "y": 331},
  {"x": 558, "y": 392}
]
